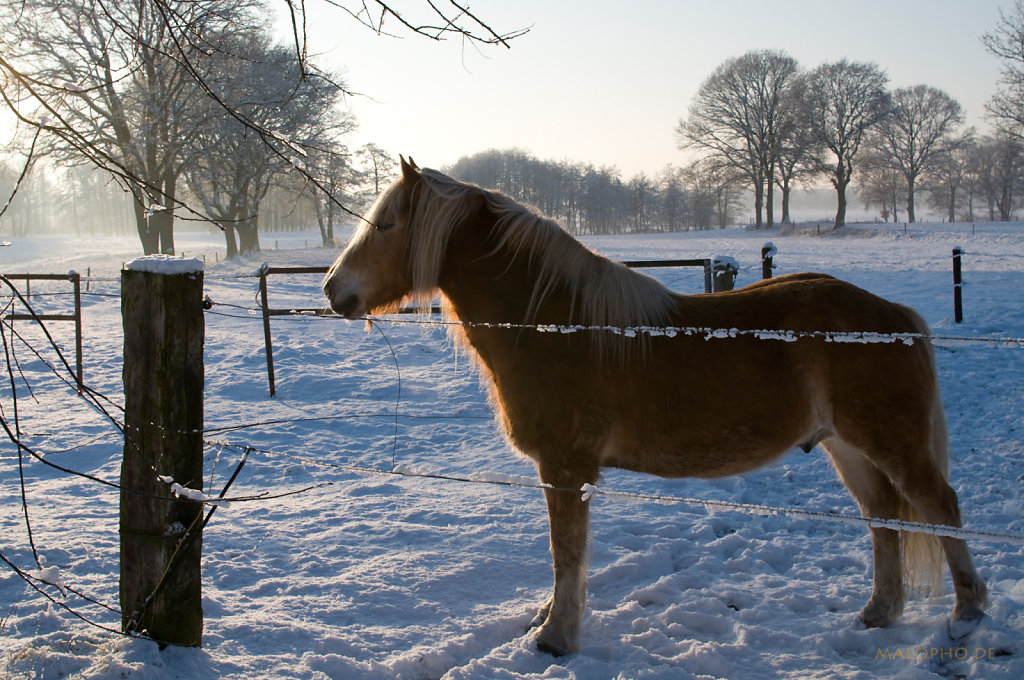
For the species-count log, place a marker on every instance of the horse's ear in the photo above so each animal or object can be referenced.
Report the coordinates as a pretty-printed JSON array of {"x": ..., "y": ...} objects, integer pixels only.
[{"x": 410, "y": 173}]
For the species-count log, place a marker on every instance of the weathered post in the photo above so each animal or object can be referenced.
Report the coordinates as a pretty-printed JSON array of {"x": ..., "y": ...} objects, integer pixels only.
[
  {"x": 958, "y": 300},
  {"x": 162, "y": 313},
  {"x": 724, "y": 270},
  {"x": 265, "y": 306},
  {"x": 76, "y": 283},
  {"x": 768, "y": 251}
]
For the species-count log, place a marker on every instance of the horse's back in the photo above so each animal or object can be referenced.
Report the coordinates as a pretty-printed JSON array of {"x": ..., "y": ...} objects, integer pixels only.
[{"x": 804, "y": 302}]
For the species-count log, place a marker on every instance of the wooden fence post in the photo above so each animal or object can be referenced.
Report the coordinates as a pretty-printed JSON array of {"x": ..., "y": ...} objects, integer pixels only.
[
  {"x": 162, "y": 313},
  {"x": 768, "y": 251}
]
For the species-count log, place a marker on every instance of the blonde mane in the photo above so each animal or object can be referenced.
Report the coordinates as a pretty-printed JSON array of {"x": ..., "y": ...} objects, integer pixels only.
[{"x": 605, "y": 293}]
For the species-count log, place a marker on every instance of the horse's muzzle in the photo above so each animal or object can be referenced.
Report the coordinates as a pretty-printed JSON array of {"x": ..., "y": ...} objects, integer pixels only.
[{"x": 347, "y": 304}]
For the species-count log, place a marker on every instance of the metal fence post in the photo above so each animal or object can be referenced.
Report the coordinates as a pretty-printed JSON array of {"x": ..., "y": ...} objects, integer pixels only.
[
  {"x": 958, "y": 301},
  {"x": 264, "y": 270}
]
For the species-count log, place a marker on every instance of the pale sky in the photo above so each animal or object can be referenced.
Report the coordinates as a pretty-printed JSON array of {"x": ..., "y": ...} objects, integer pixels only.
[{"x": 606, "y": 82}]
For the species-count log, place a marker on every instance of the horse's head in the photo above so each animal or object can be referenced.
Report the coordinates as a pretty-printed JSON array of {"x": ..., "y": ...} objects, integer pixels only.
[{"x": 374, "y": 270}]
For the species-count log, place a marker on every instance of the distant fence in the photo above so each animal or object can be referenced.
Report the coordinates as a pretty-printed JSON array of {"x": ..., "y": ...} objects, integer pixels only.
[
  {"x": 76, "y": 285},
  {"x": 718, "y": 275}
]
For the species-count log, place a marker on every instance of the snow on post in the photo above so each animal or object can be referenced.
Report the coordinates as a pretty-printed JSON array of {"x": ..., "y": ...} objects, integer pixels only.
[
  {"x": 165, "y": 264},
  {"x": 162, "y": 313}
]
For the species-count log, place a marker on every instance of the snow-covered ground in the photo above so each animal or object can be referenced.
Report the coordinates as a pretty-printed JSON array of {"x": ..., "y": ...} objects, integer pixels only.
[{"x": 389, "y": 576}]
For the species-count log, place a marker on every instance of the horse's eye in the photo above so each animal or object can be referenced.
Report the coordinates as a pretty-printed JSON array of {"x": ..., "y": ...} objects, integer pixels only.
[{"x": 384, "y": 226}]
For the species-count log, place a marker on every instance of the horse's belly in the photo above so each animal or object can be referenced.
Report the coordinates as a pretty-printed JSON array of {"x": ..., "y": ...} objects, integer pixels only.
[
  {"x": 716, "y": 442},
  {"x": 687, "y": 462}
]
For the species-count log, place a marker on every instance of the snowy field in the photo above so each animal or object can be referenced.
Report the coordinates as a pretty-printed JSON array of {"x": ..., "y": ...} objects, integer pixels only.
[{"x": 402, "y": 576}]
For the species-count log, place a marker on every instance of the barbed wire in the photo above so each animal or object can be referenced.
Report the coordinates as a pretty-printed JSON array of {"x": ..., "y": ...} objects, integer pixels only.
[
  {"x": 588, "y": 491},
  {"x": 707, "y": 332}
]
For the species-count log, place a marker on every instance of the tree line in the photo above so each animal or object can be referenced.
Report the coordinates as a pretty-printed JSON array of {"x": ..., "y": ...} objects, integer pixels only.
[
  {"x": 587, "y": 199},
  {"x": 759, "y": 125},
  {"x": 194, "y": 113},
  {"x": 768, "y": 124}
]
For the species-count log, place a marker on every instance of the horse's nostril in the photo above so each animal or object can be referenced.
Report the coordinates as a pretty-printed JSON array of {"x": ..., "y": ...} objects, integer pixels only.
[{"x": 349, "y": 308}]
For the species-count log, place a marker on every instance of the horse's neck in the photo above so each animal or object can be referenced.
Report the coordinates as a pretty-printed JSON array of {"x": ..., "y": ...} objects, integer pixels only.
[{"x": 483, "y": 282}]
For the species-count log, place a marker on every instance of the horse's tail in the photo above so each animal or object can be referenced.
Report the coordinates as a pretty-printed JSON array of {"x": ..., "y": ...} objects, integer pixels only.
[{"x": 921, "y": 554}]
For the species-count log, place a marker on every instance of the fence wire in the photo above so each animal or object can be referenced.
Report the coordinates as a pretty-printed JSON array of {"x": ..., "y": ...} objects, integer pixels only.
[{"x": 41, "y": 577}]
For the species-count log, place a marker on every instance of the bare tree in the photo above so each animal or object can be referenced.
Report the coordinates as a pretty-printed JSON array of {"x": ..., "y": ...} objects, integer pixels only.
[
  {"x": 922, "y": 126},
  {"x": 109, "y": 80},
  {"x": 947, "y": 175},
  {"x": 1006, "y": 107},
  {"x": 378, "y": 164},
  {"x": 331, "y": 162},
  {"x": 713, "y": 187},
  {"x": 839, "y": 103},
  {"x": 798, "y": 151},
  {"x": 737, "y": 116},
  {"x": 674, "y": 203},
  {"x": 971, "y": 178},
  {"x": 882, "y": 185},
  {"x": 232, "y": 168},
  {"x": 642, "y": 195},
  {"x": 1000, "y": 169}
]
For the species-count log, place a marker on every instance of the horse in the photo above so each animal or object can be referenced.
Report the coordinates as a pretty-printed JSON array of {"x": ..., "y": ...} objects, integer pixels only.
[{"x": 670, "y": 404}]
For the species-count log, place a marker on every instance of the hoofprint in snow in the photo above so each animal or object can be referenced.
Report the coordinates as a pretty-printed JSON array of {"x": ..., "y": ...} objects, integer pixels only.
[{"x": 372, "y": 574}]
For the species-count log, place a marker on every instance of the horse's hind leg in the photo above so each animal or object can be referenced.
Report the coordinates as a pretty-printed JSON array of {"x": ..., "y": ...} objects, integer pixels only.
[
  {"x": 877, "y": 497},
  {"x": 937, "y": 503},
  {"x": 568, "y": 514}
]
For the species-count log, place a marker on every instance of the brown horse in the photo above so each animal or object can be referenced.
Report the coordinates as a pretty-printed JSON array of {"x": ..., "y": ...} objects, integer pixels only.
[{"x": 675, "y": 405}]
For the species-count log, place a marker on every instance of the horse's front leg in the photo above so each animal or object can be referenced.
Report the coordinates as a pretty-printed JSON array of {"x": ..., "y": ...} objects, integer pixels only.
[{"x": 567, "y": 513}]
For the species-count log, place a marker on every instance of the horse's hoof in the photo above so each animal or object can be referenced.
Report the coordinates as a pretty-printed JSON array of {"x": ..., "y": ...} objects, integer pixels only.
[
  {"x": 966, "y": 616},
  {"x": 550, "y": 641},
  {"x": 877, "y": 617},
  {"x": 961, "y": 628},
  {"x": 548, "y": 649}
]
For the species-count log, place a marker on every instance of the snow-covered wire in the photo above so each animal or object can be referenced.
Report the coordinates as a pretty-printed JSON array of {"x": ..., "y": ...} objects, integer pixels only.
[{"x": 708, "y": 333}]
